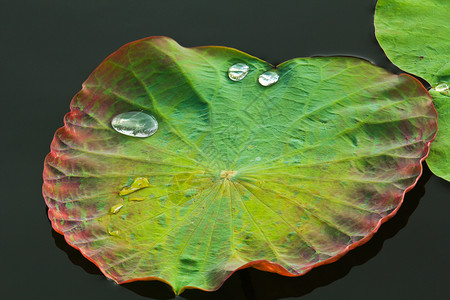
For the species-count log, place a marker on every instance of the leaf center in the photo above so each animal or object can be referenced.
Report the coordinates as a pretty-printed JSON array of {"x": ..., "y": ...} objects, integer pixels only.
[{"x": 227, "y": 174}]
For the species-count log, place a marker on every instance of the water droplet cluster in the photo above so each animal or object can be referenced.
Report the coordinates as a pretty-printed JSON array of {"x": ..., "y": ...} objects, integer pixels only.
[
  {"x": 126, "y": 192},
  {"x": 140, "y": 124},
  {"x": 238, "y": 71}
]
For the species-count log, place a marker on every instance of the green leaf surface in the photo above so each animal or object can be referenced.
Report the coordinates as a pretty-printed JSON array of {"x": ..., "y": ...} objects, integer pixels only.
[
  {"x": 283, "y": 178},
  {"x": 415, "y": 35},
  {"x": 439, "y": 157}
]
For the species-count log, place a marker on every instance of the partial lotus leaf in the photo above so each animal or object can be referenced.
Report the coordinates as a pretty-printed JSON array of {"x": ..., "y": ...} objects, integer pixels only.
[
  {"x": 439, "y": 158},
  {"x": 283, "y": 177},
  {"x": 415, "y": 35}
]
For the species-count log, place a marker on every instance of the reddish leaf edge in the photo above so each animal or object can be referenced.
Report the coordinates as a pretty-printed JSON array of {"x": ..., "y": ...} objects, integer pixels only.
[{"x": 265, "y": 265}]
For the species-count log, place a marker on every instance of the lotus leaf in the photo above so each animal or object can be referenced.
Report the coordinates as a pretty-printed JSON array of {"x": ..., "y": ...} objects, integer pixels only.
[
  {"x": 415, "y": 34},
  {"x": 281, "y": 178}
]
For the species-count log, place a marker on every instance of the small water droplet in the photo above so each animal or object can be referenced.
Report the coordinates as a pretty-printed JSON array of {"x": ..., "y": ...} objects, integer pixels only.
[
  {"x": 136, "y": 198},
  {"x": 441, "y": 87},
  {"x": 113, "y": 232},
  {"x": 115, "y": 209},
  {"x": 238, "y": 71},
  {"x": 138, "y": 184},
  {"x": 268, "y": 78},
  {"x": 258, "y": 158},
  {"x": 135, "y": 123}
]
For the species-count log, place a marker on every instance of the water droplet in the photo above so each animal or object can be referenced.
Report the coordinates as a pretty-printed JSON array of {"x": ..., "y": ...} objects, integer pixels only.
[
  {"x": 135, "y": 123},
  {"x": 136, "y": 198},
  {"x": 238, "y": 71},
  {"x": 258, "y": 158},
  {"x": 113, "y": 232},
  {"x": 138, "y": 184},
  {"x": 115, "y": 209},
  {"x": 441, "y": 87},
  {"x": 268, "y": 78}
]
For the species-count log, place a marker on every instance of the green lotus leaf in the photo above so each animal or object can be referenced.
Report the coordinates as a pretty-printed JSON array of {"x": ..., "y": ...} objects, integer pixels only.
[
  {"x": 415, "y": 35},
  {"x": 283, "y": 177}
]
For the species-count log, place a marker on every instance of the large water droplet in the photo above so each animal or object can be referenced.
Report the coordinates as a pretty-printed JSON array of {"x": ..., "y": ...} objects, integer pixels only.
[
  {"x": 238, "y": 71},
  {"x": 441, "y": 87},
  {"x": 268, "y": 78},
  {"x": 135, "y": 123}
]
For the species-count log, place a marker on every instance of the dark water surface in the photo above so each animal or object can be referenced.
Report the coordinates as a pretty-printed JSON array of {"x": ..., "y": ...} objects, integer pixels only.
[{"x": 48, "y": 48}]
